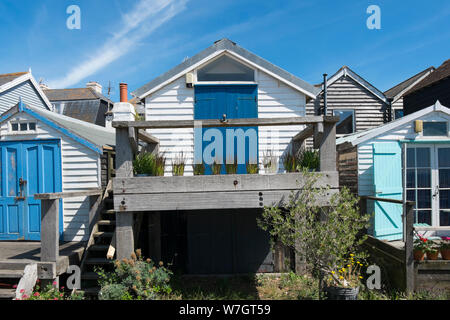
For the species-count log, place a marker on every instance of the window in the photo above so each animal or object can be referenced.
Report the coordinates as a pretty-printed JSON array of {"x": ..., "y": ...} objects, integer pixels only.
[
  {"x": 398, "y": 113},
  {"x": 346, "y": 122},
  {"x": 225, "y": 69},
  {"x": 23, "y": 126},
  {"x": 435, "y": 129}
]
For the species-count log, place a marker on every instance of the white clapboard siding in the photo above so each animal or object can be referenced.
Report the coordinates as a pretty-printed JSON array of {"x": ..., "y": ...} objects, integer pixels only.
[
  {"x": 365, "y": 151},
  {"x": 176, "y": 102},
  {"x": 24, "y": 90},
  {"x": 80, "y": 170}
]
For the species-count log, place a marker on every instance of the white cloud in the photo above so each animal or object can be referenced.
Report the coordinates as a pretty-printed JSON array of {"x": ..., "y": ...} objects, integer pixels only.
[{"x": 145, "y": 17}]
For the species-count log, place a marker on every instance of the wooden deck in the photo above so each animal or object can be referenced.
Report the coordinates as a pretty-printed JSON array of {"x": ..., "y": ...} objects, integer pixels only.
[{"x": 17, "y": 254}]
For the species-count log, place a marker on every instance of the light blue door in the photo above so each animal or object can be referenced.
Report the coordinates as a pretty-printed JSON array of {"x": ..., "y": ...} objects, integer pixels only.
[
  {"x": 234, "y": 101},
  {"x": 387, "y": 171},
  {"x": 27, "y": 167}
]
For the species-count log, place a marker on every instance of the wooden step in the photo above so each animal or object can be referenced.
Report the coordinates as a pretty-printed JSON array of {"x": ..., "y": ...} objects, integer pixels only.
[
  {"x": 103, "y": 261},
  {"x": 103, "y": 234},
  {"x": 99, "y": 247},
  {"x": 7, "y": 293},
  {"x": 13, "y": 264},
  {"x": 106, "y": 222},
  {"x": 6, "y": 274},
  {"x": 89, "y": 276}
]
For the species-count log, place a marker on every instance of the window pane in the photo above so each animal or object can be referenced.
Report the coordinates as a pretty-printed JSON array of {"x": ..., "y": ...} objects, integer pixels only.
[
  {"x": 444, "y": 199},
  {"x": 345, "y": 124},
  {"x": 444, "y": 178},
  {"x": 398, "y": 114},
  {"x": 225, "y": 69},
  {"x": 444, "y": 218},
  {"x": 411, "y": 195},
  {"x": 410, "y": 178},
  {"x": 23, "y": 127},
  {"x": 411, "y": 157},
  {"x": 32, "y": 126},
  {"x": 423, "y": 178},
  {"x": 435, "y": 128},
  {"x": 424, "y": 216},
  {"x": 423, "y": 157},
  {"x": 424, "y": 198},
  {"x": 444, "y": 157},
  {"x": 14, "y": 126}
]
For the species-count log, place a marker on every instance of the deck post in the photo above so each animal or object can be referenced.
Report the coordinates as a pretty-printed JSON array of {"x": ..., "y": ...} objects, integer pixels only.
[
  {"x": 49, "y": 230},
  {"x": 409, "y": 243},
  {"x": 124, "y": 219},
  {"x": 327, "y": 147}
]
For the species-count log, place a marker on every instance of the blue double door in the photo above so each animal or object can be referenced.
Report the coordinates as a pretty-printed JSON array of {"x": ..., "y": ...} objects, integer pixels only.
[
  {"x": 27, "y": 167},
  {"x": 238, "y": 144}
]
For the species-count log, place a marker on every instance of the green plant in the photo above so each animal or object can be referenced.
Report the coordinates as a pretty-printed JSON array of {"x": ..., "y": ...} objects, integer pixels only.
[
  {"x": 322, "y": 236},
  {"x": 160, "y": 164},
  {"x": 424, "y": 244},
  {"x": 144, "y": 163},
  {"x": 348, "y": 275},
  {"x": 290, "y": 161},
  {"x": 216, "y": 167},
  {"x": 134, "y": 279},
  {"x": 231, "y": 168},
  {"x": 270, "y": 161},
  {"x": 309, "y": 159},
  {"x": 252, "y": 168},
  {"x": 178, "y": 164},
  {"x": 199, "y": 169},
  {"x": 445, "y": 244}
]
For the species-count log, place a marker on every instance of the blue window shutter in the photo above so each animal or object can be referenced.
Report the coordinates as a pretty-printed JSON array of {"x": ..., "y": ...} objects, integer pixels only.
[{"x": 387, "y": 173}]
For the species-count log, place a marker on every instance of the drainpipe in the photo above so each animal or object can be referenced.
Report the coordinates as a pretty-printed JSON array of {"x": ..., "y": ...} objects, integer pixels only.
[
  {"x": 389, "y": 117},
  {"x": 324, "y": 94}
]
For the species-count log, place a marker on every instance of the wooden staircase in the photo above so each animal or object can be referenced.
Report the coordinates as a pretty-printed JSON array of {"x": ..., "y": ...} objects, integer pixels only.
[
  {"x": 99, "y": 243},
  {"x": 10, "y": 274}
]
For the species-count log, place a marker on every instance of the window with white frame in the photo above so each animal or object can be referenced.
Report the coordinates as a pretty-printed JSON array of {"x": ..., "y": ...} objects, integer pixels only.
[
  {"x": 346, "y": 122},
  {"x": 22, "y": 126},
  {"x": 435, "y": 128}
]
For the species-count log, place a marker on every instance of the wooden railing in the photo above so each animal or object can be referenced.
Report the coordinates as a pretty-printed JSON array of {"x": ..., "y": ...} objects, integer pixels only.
[{"x": 50, "y": 218}]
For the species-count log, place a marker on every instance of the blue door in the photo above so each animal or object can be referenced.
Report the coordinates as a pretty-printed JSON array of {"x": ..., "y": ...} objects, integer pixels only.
[
  {"x": 27, "y": 167},
  {"x": 233, "y": 101},
  {"x": 387, "y": 166}
]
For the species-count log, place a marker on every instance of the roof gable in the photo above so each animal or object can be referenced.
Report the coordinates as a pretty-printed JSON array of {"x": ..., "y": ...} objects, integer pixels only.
[
  {"x": 74, "y": 94},
  {"x": 439, "y": 74},
  {"x": 238, "y": 52},
  {"x": 399, "y": 90},
  {"x": 346, "y": 71},
  {"x": 10, "y": 80},
  {"x": 363, "y": 136},
  {"x": 90, "y": 135}
]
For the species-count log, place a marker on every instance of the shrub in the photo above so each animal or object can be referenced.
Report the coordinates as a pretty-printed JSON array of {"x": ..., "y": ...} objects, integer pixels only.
[
  {"x": 144, "y": 163},
  {"x": 309, "y": 159},
  {"x": 160, "y": 164},
  {"x": 324, "y": 238},
  {"x": 134, "y": 278},
  {"x": 252, "y": 168},
  {"x": 216, "y": 167},
  {"x": 51, "y": 292},
  {"x": 231, "y": 168},
  {"x": 290, "y": 162}
]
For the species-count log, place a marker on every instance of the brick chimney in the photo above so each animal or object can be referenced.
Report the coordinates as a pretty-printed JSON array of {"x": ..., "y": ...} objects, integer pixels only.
[
  {"x": 95, "y": 85},
  {"x": 123, "y": 110}
]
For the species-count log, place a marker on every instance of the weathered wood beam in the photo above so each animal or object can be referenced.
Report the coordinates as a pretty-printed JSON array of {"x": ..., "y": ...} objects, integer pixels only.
[
  {"x": 408, "y": 220},
  {"x": 327, "y": 147},
  {"x": 209, "y": 123},
  {"x": 304, "y": 134},
  {"x": 147, "y": 137},
  {"x": 213, "y": 183},
  {"x": 132, "y": 137},
  {"x": 50, "y": 230},
  {"x": 124, "y": 220},
  {"x": 60, "y": 195}
]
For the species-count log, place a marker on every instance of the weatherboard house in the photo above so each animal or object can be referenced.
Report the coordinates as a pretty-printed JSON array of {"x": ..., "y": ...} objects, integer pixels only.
[
  {"x": 406, "y": 159},
  {"x": 45, "y": 152}
]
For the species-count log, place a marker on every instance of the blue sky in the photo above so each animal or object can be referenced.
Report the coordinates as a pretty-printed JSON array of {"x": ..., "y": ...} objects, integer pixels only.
[{"x": 135, "y": 41}]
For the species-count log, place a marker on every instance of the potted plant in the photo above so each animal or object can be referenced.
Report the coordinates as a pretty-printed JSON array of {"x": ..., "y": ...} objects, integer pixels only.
[
  {"x": 270, "y": 162},
  {"x": 444, "y": 248},
  {"x": 216, "y": 167},
  {"x": 178, "y": 164},
  {"x": 231, "y": 168},
  {"x": 160, "y": 164},
  {"x": 290, "y": 162},
  {"x": 144, "y": 164},
  {"x": 343, "y": 283},
  {"x": 420, "y": 247},
  {"x": 432, "y": 251},
  {"x": 252, "y": 168},
  {"x": 199, "y": 169},
  {"x": 309, "y": 159}
]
